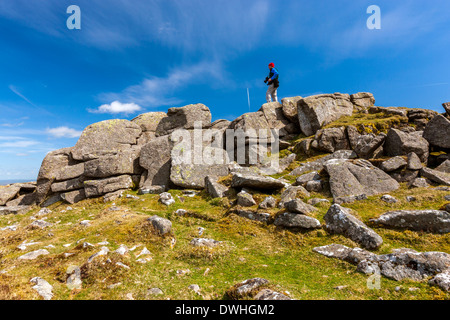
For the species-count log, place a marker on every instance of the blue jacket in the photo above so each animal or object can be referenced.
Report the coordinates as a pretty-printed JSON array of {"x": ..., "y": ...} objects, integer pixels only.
[{"x": 273, "y": 74}]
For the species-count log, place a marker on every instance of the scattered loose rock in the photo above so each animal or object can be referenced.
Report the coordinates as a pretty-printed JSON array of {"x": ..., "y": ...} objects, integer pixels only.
[{"x": 339, "y": 220}]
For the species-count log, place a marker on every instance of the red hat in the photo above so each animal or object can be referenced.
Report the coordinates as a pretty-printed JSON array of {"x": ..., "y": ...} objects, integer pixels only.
[{"x": 272, "y": 65}]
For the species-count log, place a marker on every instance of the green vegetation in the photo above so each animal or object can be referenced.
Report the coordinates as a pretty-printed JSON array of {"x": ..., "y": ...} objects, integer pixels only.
[{"x": 250, "y": 249}]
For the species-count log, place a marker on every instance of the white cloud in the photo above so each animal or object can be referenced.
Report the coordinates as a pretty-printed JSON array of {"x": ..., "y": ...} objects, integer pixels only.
[
  {"x": 117, "y": 107},
  {"x": 160, "y": 91},
  {"x": 63, "y": 132},
  {"x": 19, "y": 144}
]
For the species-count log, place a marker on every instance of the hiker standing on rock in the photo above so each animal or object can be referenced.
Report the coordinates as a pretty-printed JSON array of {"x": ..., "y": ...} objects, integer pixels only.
[{"x": 272, "y": 82}]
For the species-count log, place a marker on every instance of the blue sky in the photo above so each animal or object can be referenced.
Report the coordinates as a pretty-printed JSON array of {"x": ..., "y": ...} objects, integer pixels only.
[{"x": 136, "y": 56}]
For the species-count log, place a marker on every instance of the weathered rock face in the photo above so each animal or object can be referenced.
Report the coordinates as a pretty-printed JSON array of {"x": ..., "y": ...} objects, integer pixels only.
[
  {"x": 331, "y": 140},
  {"x": 419, "y": 220},
  {"x": 214, "y": 188},
  {"x": 104, "y": 138},
  {"x": 437, "y": 132},
  {"x": 97, "y": 188},
  {"x": 339, "y": 220},
  {"x": 393, "y": 164},
  {"x": 155, "y": 157},
  {"x": 363, "y": 99},
  {"x": 413, "y": 162},
  {"x": 446, "y": 106},
  {"x": 275, "y": 118},
  {"x": 8, "y": 193},
  {"x": 358, "y": 178},
  {"x": 52, "y": 164},
  {"x": 74, "y": 196},
  {"x": 400, "y": 143},
  {"x": 184, "y": 118},
  {"x": 149, "y": 123},
  {"x": 290, "y": 110},
  {"x": 364, "y": 145},
  {"x": 442, "y": 279},
  {"x": 436, "y": 176},
  {"x": 161, "y": 225},
  {"x": 188, "y": 174},
  {"x": 125, "y": 162},
  {"x": 316, "y": 111},
  {"x": 444, "y": 167}
]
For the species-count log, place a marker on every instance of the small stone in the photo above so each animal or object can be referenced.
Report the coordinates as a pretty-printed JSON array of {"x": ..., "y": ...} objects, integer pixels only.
[
  {"x": 144, "y": 260},
  {"x": 87, "y": 245},
  {"x": 152, "y": 190},
  {"x": 114, "y": 285},
  {"x": 120, "y": 264},
  {"x": 181, "y": 212},
  {"x": 130, "y": 196},
  {"x": 340, "y": 287},
  {"x": 203, "y": 242},
  {"x": 43, "y": 212},
  {"x": 39, "y": 224},
  {"x": 144, "y": 251},
  {"x": 166, "y": 198},
  {"x": 267, "y": 294},
  {"x": 269, "y": 202},
  {"x": 103, "y": 251},
  {"x": 418, "y": 183},
  {"x": 85, "y": 223},
  {"x": 73, "y": 278},
  {"x": 315, "y": 201},
  {"x": 43, "y": 288},
  {"x": 411, "y": 198},
  {"x": 314, "y": 186},
  {"x": 195, "y": 288},
  {"x": 162, "y": 225},
  {"x": 389, "y": 199},
  {"x": 155, "y": 291},
  {"x": 245, "y": 199},
  {"x": 25, "y": 244},
  {"x": 122, "y": 250},
  {"x": 33, "y": 255},
  {"x": 298, "y": 206}
]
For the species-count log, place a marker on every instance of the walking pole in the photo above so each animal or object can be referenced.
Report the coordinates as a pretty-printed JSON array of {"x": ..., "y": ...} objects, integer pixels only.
[{"x": 248, "y": 97}]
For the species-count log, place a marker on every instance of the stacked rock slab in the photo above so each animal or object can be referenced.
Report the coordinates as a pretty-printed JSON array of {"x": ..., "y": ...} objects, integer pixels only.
[{"x": 314, "y": 112}]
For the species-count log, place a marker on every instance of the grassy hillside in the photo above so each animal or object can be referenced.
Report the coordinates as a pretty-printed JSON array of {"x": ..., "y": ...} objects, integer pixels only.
[{"x": 250, "y": 249}]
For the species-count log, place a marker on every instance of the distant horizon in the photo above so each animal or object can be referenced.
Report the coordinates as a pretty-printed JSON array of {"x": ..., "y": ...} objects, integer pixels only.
[
  {"x": 11, "y": 181},
  {"x": 63, "y": 71}
]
